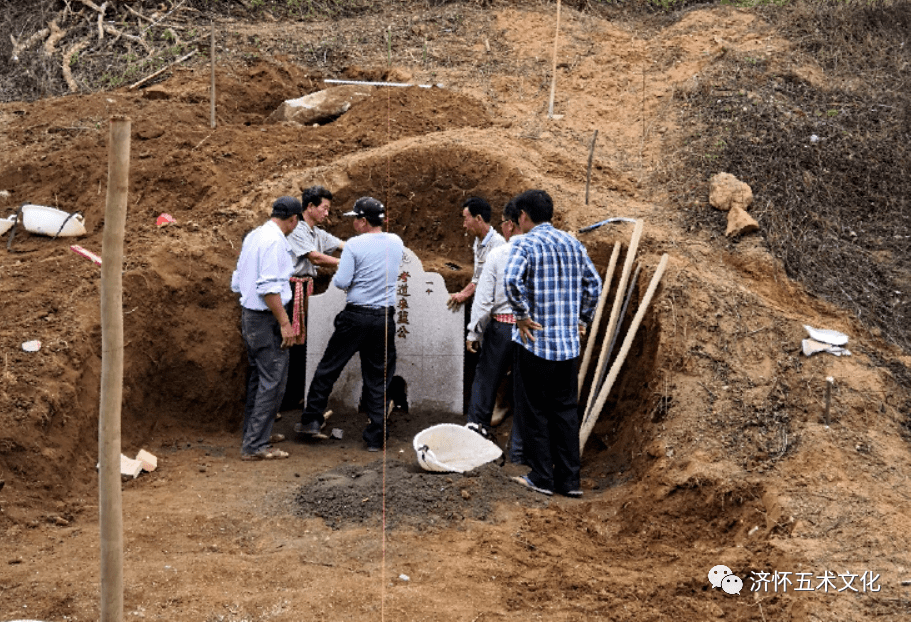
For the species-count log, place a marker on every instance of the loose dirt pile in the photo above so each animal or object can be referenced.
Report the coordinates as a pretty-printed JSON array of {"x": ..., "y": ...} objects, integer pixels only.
[
  {"x": 413, "y": 497},
  {"x": 712, "y": 447}
]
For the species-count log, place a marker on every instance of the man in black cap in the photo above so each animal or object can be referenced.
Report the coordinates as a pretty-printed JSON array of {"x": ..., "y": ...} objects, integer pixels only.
[
  {"x": 262, "y": 280},
  {"x": 367, "y": 271}
]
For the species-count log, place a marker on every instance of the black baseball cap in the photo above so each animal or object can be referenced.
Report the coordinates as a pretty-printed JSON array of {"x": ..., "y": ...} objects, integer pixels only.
[
  {"x": 367, "y": 206},
  {"x": 286, "y": 207}
]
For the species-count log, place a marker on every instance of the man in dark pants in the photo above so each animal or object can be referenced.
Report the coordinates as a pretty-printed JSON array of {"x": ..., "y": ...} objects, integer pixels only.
[
  {"x": 313, "y": 248},
  {"x": 491, "y": 324},
  {"x": 553, "y": 287},
  {"x": 367, "y": 271},
  {"x": 261, "y": 279}
]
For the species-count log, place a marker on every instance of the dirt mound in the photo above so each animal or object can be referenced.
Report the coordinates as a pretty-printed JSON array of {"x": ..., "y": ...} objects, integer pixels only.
[{"x": 354, "y": 494}]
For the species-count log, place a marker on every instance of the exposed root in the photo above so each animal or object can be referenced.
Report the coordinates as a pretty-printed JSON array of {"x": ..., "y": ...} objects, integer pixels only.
[
  {"x": 21, "y": 47},
  {"x": 57, "y": 34},
  {"x": 67, "y": 59},
  {"x": 101, "y": 10}
]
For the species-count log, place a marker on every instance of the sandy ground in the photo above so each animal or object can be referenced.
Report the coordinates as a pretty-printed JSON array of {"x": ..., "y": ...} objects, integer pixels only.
[{"x": 712, "y": 448}]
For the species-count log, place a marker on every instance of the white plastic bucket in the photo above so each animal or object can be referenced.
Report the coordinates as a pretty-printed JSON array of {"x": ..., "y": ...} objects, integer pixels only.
[
  {"x": 451, "y": 448},
  {"x": 46, "y": 220},
  {"x": 7, "y": 223}
]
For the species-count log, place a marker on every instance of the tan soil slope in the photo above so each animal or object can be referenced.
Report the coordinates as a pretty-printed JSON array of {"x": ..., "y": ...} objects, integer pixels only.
[{"x": 710, "y": 451}]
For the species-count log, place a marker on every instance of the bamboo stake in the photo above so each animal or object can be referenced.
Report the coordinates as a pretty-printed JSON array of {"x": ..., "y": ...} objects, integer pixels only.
[
  {"x": 593, "y": 331},
  {"x": 615, "y": 310},
  {"x": 589, "y": 424},
  {"x": 553, "y": 77},
  {"x": 829, "y": 382},
  {"x": 212, "y": 65},
  {"x": 109, "y": 493}
]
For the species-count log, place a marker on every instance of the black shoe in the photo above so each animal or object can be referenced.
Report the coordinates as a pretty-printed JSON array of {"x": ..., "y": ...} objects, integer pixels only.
[
  {"x": 309, "y": 429},
  {"x": 525, "y": 481}
]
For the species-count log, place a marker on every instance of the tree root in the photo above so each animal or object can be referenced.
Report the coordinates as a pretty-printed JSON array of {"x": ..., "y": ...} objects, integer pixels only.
[
  {"x": 57, "y": 34},
  {"x": 18, "y": 48},
  {"x": 67, "y": 59}
]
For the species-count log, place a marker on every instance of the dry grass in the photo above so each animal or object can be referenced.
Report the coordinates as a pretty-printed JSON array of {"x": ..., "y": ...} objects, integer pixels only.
[{"x": 827, "y": 165}]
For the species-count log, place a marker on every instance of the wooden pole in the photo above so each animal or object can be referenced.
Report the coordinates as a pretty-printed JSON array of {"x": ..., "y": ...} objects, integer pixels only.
[
  {"x": 829, "y": 382},
  {"x": 593, "y": 330},
  {"x": 109, "y": 493},
  {"x": 212, "y": 65},
  {"x": 553, "y": 77},
  {"x": 626, "y": 299},
  {"x": 588, "y": 175},
  {"x": 589, "y": 424},
  {"x": 615, "y": 311}
]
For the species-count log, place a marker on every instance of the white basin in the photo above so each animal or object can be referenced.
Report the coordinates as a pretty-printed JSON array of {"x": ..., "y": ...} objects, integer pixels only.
[
  {"x": 49, "y": 220},
  {"x": 7, "y": 223}
]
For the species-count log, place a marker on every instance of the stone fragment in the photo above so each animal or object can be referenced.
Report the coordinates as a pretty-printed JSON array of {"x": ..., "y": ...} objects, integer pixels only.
[
  {"x": 156, "y": 91},
  {"x": 740, "y": 223},
  {"x": 726, "y": 192},
  {"x": 322, "y": 106}
]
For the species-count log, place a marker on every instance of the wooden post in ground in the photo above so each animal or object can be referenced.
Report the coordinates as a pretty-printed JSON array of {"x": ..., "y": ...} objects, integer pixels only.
[
  {"x": 589, "y": 424},
  {"x": 614, "y": 315},
  {"x": 596, "y": 323},
  {"x": 588, "y": 174},
  {"x": 109, "y": 493},
  {"x": 553, "y": 77},
  {"x": 212, "y": 65}
]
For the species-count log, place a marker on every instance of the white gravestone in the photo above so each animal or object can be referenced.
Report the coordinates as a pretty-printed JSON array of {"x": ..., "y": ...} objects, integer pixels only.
[{"x": 429, "y": 342}]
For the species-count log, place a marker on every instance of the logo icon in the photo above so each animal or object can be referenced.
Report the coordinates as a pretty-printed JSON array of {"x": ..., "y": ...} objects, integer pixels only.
[
  {"x": 732, "y": 584},
  {"x": 717, "y": 575}
]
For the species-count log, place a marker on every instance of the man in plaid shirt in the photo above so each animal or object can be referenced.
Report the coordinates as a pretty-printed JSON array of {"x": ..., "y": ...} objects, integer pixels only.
[{"x": 553, "y": 288}]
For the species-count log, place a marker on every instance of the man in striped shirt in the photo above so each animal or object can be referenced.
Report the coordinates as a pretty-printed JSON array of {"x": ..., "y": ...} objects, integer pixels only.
[{"x": 553, "y": 288}]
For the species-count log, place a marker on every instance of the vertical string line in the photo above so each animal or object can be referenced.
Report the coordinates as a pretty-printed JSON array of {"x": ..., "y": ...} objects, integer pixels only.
[{"x": 386, "y": 322}]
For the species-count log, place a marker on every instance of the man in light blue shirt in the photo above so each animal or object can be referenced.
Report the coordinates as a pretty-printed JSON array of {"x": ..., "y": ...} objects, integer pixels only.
[
  {"x": 367, "y": 271},
  {"x": 262, "y": 280}
]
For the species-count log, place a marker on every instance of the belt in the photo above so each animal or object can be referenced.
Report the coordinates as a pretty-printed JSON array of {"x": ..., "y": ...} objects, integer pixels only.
[
  {"x": 506, "y": 318},
  {"x": 303, "y": 286},
  {"x": 369, "y": 310}
]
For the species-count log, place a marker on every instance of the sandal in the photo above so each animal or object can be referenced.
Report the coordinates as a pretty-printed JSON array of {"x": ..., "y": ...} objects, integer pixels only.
[{"x": 268, "y": 454}]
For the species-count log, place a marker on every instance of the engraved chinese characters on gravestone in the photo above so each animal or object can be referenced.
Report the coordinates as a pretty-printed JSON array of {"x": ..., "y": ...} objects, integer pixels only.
[{"x": 429, "y": 342}]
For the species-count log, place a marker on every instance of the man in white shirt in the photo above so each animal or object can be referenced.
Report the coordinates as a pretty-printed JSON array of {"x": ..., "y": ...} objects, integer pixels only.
[
  {"x": 262, "y": 280},
  {"x": 491, "y": 325},
  {"x": 476, "y": 220},
  {"x": 367, "y": 271},
  {"x": 313, "y": 248}
]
